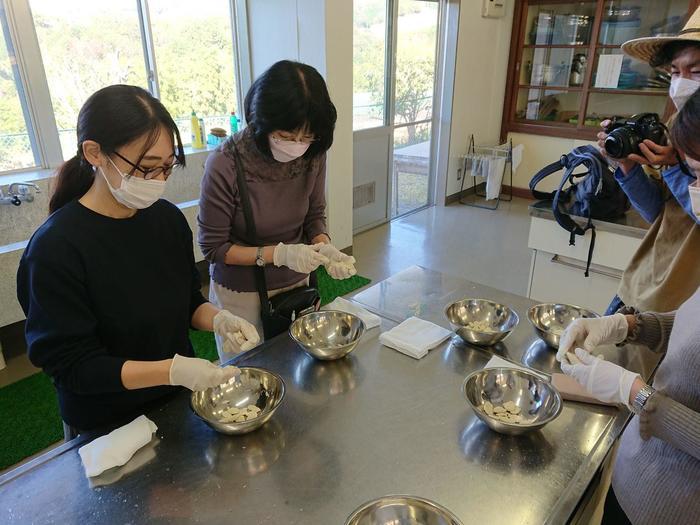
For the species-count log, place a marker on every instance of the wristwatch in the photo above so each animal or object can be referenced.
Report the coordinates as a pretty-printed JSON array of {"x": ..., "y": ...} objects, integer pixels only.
[
  {"x": 641, "y": 398},
  {"x": 259, "y": 259}
]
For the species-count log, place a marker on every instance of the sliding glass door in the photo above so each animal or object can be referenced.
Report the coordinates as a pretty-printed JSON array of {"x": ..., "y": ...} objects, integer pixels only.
[{"x": 395, "y": 49}]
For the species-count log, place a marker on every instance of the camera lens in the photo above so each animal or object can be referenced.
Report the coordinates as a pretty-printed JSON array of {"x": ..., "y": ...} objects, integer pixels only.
[{"x": 621, "y": 142}]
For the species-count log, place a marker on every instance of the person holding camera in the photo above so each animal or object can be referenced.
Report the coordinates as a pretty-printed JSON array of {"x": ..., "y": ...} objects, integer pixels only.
[{"x": 663, "y": 273}]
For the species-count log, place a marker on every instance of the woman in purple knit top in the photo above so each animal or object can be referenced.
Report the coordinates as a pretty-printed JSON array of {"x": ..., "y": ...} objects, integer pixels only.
[{"x": 282, "y": 153}]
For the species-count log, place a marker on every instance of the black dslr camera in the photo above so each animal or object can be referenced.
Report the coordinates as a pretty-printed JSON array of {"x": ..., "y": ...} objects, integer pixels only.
[{"x": 625, "y": 134}]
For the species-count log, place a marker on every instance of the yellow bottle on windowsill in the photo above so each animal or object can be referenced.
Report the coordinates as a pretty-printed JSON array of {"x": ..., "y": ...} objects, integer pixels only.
[{"x": 197, "y": 142}]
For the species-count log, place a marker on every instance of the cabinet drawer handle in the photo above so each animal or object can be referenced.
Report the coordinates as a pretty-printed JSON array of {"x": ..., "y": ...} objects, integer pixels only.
[{"x": 595, "y": 268}]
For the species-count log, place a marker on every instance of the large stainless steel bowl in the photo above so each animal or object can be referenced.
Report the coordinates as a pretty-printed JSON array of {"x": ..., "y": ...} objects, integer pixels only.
[
  {"x": 254, "y": 386},
  {"x": 327, "y": 334},
  {"x": 467, "y": 314},
  {"x": 551, "y": 319},
  {"x": 402, "y": 510},
  {"x": 538, "y": 400}
]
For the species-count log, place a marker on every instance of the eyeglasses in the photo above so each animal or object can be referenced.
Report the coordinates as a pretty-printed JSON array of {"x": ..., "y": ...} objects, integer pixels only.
[
  {"x": 149, "y": 173},
  {"x": 306, "y": 139}
]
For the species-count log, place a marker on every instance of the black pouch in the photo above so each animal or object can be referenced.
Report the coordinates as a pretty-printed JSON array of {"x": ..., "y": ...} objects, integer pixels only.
[{"x": 277, "y": 312}]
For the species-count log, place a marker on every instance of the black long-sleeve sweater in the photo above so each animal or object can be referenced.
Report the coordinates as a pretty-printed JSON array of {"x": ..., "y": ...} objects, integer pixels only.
[{"x": 99, "y": 291}]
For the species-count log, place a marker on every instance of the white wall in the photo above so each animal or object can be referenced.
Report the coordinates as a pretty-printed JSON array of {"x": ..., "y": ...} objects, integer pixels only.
[
  {"x": 319, "y": 33},
  {"x": 480, "y": 79},
  {"x": 483, "y": 47}
]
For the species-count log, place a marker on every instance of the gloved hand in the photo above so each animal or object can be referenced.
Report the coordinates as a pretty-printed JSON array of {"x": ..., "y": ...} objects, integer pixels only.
[
  {"x": 604, "y": 380},
  {"x": 199, "y": 374},
  {"x": 237, "y": 333},
  {"x": 590, "y": 333},
  {"x": 340, "y": 266},
  {"x": 302, "y": 258}
]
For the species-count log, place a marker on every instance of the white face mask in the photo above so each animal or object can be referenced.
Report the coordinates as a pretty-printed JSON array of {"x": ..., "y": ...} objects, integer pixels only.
[
  {"x": 134, "y": 192},
  {"x": 287, "y": 150},
  {"x": 694, "y": 192},
  {"x": 681, "y": 90}
]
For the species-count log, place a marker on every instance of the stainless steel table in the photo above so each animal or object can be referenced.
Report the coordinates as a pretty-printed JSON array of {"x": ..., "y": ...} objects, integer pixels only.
[{"x": 375, "y": 423}]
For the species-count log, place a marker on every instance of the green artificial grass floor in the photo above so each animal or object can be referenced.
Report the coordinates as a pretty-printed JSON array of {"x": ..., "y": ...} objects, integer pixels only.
[{"x": 29, "y": 407}]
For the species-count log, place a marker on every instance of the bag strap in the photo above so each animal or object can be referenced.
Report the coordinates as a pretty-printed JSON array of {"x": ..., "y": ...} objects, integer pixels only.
[
  {"x": 590, "y": 157},
  {"x": 548, "y": 170},
  {"x": 260, "y": 281}
]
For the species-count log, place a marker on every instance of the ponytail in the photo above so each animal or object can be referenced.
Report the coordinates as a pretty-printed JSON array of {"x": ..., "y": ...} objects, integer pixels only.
[{"x": 74, "y": 179}]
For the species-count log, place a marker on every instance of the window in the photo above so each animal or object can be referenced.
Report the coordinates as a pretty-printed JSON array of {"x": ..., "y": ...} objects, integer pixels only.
[
  {"x": 16, "y": 150},
  {"x": 181, "y": 52},
  {"x": 86, "y": 46},
  {"x": 194, "y": 61},
  {"x": 369, "y": 42}
]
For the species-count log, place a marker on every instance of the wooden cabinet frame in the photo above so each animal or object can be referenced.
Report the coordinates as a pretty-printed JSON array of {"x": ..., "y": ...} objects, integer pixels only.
[{"x": 559, "y": 129}]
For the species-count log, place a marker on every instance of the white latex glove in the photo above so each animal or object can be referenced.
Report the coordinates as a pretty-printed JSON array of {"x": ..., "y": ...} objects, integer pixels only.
[
  {"x": 602, "y": 379},
  {"x": 199, "y": 374},
  {"x": 591, "y": 333},
  {"x": 237, "y": 333},
  {"x": 302, "y": 258},
  {"x": 340, "y": 266}
]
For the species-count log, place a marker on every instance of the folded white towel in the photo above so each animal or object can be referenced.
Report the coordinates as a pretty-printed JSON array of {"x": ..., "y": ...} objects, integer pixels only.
[
  {"x": 414, "y": 337},
  {"x": 371, "y": 320},
  {"x": 117, "y": 447},
  {"x": 497, "y": 362}
]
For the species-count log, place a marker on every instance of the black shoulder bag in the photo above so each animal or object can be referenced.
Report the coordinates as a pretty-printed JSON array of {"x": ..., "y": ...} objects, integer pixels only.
[{"x": 279, "y": 311}]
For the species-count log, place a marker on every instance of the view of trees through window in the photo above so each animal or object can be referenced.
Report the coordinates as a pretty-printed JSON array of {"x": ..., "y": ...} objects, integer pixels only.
[
  {"x": 194, "y": 57},
  {"x": 15, "y": 146},
  {"x": 88, "y": 45},
  {"x": 415, "y": 63}
]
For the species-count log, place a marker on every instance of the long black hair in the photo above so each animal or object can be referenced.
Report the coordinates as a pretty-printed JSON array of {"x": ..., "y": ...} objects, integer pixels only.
[
  {"x": 291, "y": 96},
  {"x": 113, "y": 117},
  {"x": 685, "y": 130}
]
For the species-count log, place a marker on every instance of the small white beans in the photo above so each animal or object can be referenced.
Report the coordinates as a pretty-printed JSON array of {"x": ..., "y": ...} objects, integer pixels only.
[
  {"x": 509, "y": 412},
  {"x": 239, "y": 415},
  {"x": 481, "y": 326}
]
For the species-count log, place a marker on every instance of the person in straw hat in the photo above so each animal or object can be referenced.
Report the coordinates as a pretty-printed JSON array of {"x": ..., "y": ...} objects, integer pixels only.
[{"x": 664, "y": 272}]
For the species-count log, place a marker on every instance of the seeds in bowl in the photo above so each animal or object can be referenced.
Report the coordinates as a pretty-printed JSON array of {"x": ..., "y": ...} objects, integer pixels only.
[
  {"x": 481, "y": 326},
  {"x": 509, "y": 412},
  {"x": 239, "y": 415}
]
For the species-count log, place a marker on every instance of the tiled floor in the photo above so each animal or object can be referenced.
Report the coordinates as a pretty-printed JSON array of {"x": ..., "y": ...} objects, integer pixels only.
[{"x": 488, "y": 247}]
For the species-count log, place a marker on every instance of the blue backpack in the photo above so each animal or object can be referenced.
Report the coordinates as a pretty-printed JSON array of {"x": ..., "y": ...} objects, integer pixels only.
[{"x": 594, "y": 194}]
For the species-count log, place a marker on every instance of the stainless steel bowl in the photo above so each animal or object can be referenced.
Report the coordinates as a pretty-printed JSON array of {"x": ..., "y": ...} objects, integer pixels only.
[
  {"x": 551, "y": 319},
  {"x": 538, "y": 400},
  {"x": 402, "y": 510},
  {"x": 499, "y": 320},
  {"x": 327, "y": 334},
  {"x": 254, "y": 386}
]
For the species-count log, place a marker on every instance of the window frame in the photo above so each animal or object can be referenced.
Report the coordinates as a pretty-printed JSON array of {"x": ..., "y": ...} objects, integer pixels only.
[{"x": 33, "y": 86}]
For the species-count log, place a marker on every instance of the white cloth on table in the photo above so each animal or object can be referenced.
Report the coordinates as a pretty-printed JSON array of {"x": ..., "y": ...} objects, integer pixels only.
[
  {"x": 371, "y": 320},
  {"x": 497, "y": 362},
  {"x": 414, "y": 337},
  {"x": 117, "y": 447}
]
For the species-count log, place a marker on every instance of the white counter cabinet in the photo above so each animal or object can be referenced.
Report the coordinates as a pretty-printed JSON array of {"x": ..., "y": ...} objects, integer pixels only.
[{"x": 557, "y": 269}]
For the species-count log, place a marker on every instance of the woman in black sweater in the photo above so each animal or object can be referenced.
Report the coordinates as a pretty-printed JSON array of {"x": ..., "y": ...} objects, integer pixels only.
[{"x": 108, "y": 283}]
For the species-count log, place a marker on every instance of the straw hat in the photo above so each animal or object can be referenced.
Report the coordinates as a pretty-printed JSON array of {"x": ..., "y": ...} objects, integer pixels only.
[{"x": 645, "y": 48}]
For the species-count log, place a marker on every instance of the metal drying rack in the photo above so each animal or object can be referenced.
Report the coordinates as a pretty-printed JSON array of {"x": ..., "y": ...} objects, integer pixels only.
[{"x": 476, "y": 152}]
